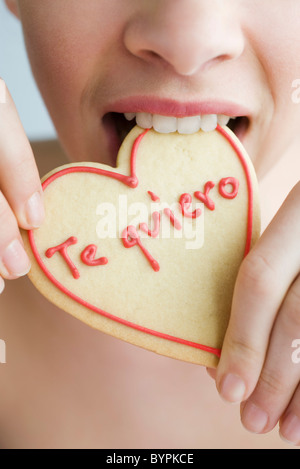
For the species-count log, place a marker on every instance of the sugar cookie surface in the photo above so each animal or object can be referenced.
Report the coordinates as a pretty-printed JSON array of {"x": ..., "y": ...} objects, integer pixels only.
[{"x": 149, "y": 251}]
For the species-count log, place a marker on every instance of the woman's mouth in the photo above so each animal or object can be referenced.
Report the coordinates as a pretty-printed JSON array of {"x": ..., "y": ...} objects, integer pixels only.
[{"x": 119, "y": 124}]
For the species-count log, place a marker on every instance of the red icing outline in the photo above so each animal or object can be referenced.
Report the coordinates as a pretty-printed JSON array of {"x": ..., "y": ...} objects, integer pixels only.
[
  {"x": 234, "y": 145},
  {"x": 132, "y": 181}
]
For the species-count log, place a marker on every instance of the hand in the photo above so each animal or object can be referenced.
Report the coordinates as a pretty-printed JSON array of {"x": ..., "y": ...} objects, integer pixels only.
[
  {"x": 256, "y": 366},
  {"x": 21, "y": 203}
]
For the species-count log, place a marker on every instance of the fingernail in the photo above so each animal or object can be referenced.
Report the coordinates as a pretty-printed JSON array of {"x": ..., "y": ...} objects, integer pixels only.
[
  {"x": 2, "y": 285},
  {"x": 254, "y": 418},
  {"x": 15, "y": 259},
  {"x": 290, "y": 429},
  {"x": 232, "y": 388},
  {"x": 35, "y": 210}
]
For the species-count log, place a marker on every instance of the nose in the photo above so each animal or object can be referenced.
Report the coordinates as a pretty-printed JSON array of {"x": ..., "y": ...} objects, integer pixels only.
[{"x": 188, "y": 35}]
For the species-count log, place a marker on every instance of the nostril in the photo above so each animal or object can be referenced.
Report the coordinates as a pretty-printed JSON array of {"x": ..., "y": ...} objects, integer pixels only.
[
  {"x": 222, "y": 58},
  {"x": 150, "y": 56},
  {"x": 173, "y": 61},
  {"x": 153, "y": 54}
]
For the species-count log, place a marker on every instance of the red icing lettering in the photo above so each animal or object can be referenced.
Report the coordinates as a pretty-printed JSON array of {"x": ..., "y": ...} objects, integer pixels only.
[
  {"x": 154, "y": 197},
  {"x": 131, "y": 238},
  {"x": 204, "y": 197},
  {"x": 235, "y": 187},
  {"x": 176, "y": 223},
  {"x": 155, "y": 232},
  {"x": 185, "y": 203},
  {"x": 63, "y": 251},
  {"x": 88, "y": 256}
]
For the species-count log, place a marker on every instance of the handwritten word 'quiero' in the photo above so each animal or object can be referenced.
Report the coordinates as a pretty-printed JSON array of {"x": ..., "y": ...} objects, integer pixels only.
[{"x": 130, "y": 236}]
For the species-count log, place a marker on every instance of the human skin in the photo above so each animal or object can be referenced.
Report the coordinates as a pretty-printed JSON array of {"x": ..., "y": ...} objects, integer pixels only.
[{"x": 234, "y": 58}]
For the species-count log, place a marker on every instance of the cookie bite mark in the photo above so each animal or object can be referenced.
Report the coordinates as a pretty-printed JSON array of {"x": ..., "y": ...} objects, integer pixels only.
[{"x": 168, "y": 116}]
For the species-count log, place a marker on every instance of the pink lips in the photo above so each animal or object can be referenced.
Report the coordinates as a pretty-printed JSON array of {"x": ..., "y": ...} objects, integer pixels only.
[
  {"x": 166, "y": 107},
  {"x": 170, "y": 107}
]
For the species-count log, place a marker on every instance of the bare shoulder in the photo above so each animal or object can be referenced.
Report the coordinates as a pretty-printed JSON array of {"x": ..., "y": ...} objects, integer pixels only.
[{"x": 48, "y": 154}]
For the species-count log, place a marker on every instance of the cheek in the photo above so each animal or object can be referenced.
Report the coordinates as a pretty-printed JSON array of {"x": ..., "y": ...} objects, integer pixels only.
[
  {"x": 284, "y": 130},
  {"x": 67, "y": 44},
  {"x": 276, "y": 43}
]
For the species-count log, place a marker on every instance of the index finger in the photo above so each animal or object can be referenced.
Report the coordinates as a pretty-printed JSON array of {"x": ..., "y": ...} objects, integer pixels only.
[
  {"x": 19, "y": 177},
  {"x": 262, "y": 283}
]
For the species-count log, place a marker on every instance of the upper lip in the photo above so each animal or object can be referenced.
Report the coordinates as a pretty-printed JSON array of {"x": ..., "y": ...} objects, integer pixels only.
[{"x": 174, "y": 108}]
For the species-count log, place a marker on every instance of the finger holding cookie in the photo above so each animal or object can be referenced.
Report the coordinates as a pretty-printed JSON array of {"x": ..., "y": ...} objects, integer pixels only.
[
  {"x": 20, "y": 191},
  {"x": 256, "y": 366}
]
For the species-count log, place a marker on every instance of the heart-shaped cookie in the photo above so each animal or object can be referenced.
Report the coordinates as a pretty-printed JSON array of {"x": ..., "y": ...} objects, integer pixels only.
[{"x": 149, "y": 251}]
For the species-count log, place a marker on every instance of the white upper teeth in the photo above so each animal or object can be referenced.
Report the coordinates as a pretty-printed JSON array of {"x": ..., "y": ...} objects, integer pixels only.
[
  {"x": 182, "y": 125},
  {"x": 209, "y": 122},
  {"x": 164, "y": 124},
  {"x": 188, "y": 125},
  {"x": 144, "y": 120}
]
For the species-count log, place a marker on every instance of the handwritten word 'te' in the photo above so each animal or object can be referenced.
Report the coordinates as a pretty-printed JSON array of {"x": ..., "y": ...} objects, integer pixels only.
[{"x": 130, "y": 236}]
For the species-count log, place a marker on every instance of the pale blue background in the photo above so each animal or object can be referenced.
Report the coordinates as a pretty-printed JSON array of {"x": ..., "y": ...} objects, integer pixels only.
[{"x": 15, "y": 70}]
